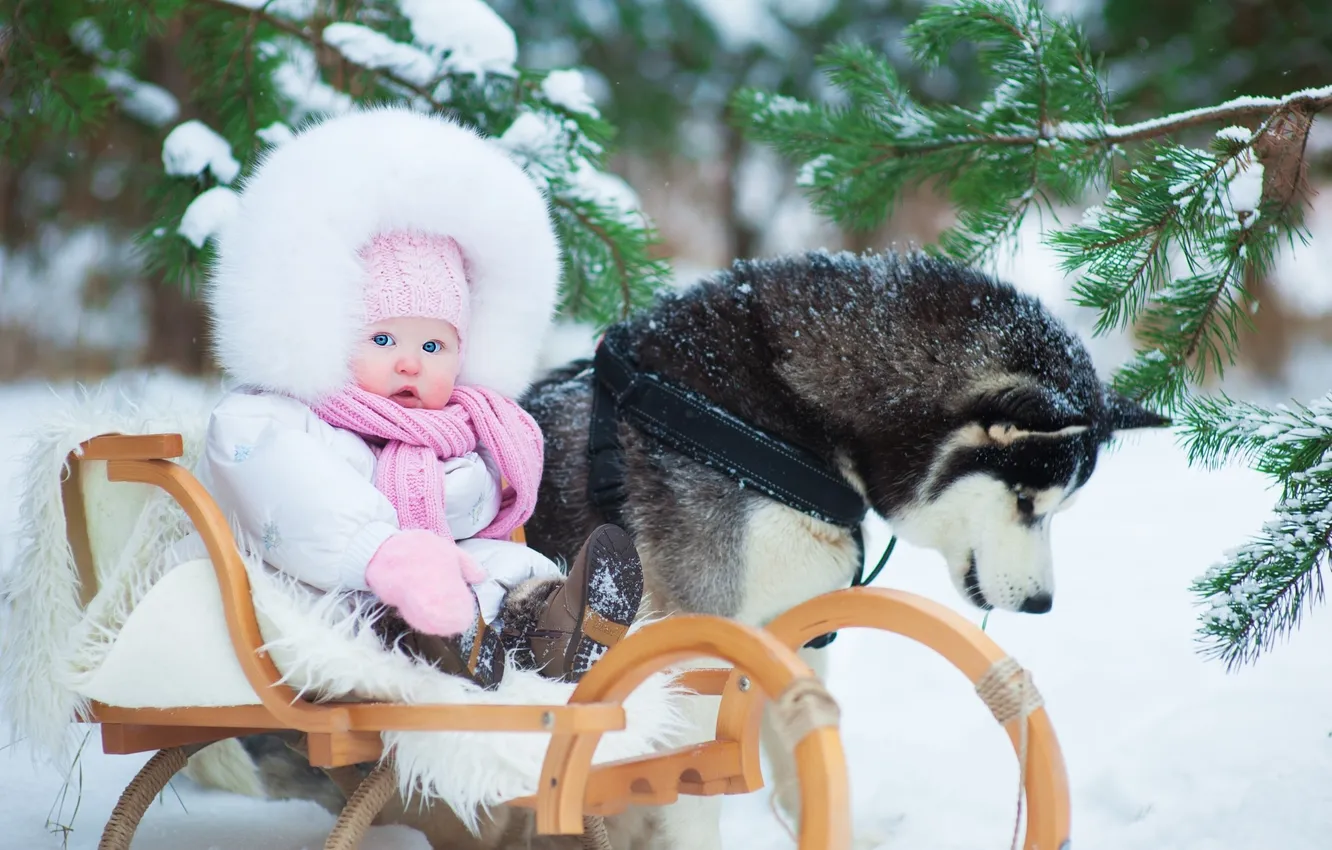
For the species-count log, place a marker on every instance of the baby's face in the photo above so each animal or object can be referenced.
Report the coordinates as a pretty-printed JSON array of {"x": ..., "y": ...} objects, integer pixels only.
[{"x": 411, "y": 360}]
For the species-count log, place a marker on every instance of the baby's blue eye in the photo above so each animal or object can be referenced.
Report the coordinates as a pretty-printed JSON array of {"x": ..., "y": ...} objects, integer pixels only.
[
  {"x": 433, "y": 346},
  {"x": 382, "y": 339}
]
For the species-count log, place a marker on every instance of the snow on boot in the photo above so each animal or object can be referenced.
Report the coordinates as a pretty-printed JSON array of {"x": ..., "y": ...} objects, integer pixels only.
[{"x": 591, "y": 610}]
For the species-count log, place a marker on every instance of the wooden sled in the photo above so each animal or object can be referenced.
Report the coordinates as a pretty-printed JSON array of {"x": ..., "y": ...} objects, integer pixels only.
[{"x": 572, "y": 795}]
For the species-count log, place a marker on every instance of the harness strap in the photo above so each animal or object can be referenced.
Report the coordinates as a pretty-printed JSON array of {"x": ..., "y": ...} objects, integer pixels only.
[
  {"x": 695, "y": 427},
  {"x": 690, "y": 424}
]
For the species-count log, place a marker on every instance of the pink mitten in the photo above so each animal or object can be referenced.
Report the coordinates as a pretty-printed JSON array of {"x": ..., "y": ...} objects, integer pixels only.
[{"x": 427, "y": 578}]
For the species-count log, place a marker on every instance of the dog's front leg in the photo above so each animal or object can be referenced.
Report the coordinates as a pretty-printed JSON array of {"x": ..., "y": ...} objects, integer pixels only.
[
  {"x": 785, "y": 782},
  {"x": 693, "y": 823}
]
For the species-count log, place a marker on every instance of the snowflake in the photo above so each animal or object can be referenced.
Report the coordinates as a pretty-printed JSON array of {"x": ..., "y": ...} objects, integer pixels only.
[
  {"x": 241, "y": 452},
  {"x": 272, "y": 536}
]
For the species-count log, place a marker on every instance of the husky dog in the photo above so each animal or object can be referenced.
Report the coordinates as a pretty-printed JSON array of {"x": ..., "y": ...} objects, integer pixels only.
[{"x": 963, "y": 412}]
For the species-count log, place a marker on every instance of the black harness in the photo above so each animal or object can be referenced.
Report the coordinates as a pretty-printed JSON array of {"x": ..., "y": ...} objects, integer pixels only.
[{"x": 688, "y": 423}]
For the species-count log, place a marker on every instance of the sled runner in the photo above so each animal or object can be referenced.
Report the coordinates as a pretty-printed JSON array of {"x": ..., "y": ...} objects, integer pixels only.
[{"x": 176, "y": 658}]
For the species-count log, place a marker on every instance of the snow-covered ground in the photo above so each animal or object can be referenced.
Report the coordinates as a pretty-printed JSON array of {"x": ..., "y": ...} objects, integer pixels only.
[{"x": 1164, "y": 749}]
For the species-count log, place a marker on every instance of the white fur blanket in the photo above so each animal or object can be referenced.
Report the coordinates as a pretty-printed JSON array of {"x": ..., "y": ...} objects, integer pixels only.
[{"x": 55, "y": 656}]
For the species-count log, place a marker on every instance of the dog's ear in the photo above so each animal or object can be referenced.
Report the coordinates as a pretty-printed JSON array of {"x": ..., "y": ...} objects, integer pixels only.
[
  {"x": 1026, "y": 407},
  {"x": 1124, "y": 414}
]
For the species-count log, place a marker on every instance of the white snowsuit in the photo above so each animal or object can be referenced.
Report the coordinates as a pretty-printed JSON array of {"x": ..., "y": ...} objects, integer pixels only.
[{"x": 302, "y": 492}]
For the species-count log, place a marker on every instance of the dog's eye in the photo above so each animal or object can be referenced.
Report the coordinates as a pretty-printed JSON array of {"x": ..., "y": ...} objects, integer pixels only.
[{"x": 1026, "y": 506}]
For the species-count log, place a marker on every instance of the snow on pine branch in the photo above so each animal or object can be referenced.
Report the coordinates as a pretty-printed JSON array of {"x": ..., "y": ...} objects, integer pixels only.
[
  {"x": 1281, "y": 441},
  {"x": 471, "y": 37},
  {"x": 554, "y": 151},
  {"x": 458, "y": 37},
  {"x": 208, "y": 214},
  {"x": 298, "y": 10},
  {"x": 146, "y": 102},
  {"x": 188, "y": 151},
  {"x": 1260, "y": 591},
  {"x": 299, "y": 83},
  {"x": 1239, "y": 107},
  {"x": 568, "y": 89},
  {"x": 193, "y": 147},
  {"x": 372, "y": 49}
]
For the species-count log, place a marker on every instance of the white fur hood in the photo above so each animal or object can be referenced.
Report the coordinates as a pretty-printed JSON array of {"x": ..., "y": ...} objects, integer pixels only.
[{"x": 285, "y": 291}]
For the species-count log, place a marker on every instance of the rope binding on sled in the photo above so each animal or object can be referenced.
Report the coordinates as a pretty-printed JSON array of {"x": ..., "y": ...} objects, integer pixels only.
[
  {"x": 804, "y": 707},
  {"x": 1008, "y": 691}
]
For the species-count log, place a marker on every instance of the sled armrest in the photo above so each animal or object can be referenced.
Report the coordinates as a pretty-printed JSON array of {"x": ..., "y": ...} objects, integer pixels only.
[
  {"x": 233, "y": 581},
  {"x": 133, "y": 447}
]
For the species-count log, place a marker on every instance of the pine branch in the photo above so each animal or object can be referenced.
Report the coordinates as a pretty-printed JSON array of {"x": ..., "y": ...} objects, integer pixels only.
[
  {"x": 1308, "y": 100},
  {"x": 316, "y": 41},
  {"x": 621, "y": 267},
  {"x": 1260, "y": 592},
  {"x": 1311, "y": 101}
]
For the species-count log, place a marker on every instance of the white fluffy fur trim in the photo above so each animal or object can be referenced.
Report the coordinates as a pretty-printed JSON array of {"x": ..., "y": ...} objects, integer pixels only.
[
  {"x": 43, "y": 630},
  {"x": 285, "y": 292}
]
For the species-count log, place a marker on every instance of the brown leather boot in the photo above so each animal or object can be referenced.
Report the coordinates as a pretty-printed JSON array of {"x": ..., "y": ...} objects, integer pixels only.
[{"x": 587, "y": 613}]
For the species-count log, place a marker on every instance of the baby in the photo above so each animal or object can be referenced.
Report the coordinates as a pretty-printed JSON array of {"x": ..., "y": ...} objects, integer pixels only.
[{"x": 398, "y": 477}]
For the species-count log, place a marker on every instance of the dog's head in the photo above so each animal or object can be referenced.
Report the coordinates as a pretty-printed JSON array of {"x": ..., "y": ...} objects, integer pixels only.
[
  {"x": 994, "y": 484},
  {"x": 966, "y": 413}
]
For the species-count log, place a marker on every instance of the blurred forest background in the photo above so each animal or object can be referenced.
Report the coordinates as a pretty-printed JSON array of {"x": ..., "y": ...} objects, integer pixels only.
[{"x": 77, "y": 302}]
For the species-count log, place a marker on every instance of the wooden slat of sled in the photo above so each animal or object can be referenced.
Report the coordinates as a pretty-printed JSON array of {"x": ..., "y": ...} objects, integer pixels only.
[
  {"x": 390, "y": 717},
  {"x": 705, "y": 681},
  {"x": 135, "y": 730},
  {"x": 121, "y": 738},
  {"x": 701, "y": 770},
  {"x": 134, "y": 447}
]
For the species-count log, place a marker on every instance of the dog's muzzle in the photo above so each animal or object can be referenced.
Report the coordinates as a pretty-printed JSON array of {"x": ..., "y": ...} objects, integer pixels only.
[{"x": 1037, "y": 603}]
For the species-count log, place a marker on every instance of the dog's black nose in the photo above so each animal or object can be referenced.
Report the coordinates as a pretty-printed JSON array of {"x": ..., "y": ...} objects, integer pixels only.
[{"x": 1040, "y": 603}]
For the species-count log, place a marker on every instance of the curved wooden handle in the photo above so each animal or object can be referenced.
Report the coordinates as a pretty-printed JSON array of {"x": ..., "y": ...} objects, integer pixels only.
[
  {"x": 820, "y": 760},
  {"x": 963, "y": 645},
  {"x": 246, "y": 639}
]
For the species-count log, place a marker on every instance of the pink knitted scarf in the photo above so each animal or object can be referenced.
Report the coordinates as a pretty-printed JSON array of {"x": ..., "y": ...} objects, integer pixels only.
[{"x": 416, "y": 441}]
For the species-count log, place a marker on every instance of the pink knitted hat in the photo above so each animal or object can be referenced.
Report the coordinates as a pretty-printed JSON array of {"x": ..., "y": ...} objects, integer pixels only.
[{"x": 413, "y": 273}]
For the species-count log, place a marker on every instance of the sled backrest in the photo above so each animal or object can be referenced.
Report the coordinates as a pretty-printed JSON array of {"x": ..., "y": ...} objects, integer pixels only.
[{"x": 100, "y": 514}]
